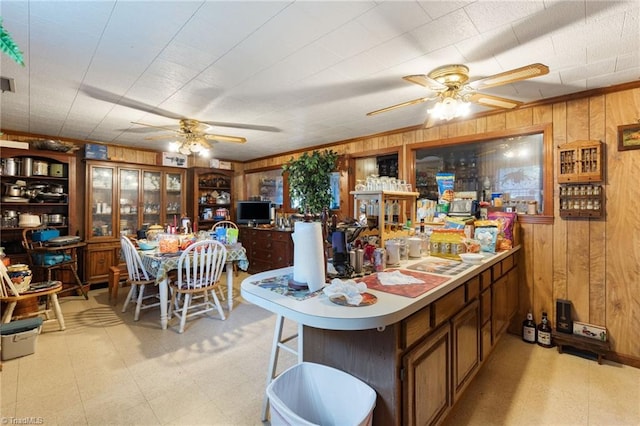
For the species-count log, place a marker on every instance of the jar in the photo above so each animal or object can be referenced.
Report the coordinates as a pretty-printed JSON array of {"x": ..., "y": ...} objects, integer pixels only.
[
  {"x": 20, "y": 276},
  {"x": 532, "y": 207}
]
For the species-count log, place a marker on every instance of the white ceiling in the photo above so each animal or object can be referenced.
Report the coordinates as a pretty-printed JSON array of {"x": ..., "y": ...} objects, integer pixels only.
[{"x": 310, "y": 69}]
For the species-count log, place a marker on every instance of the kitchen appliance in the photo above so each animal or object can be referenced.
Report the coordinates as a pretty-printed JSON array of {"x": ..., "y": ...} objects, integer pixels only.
[
  {"x": 463, "y": 208},
  {"x": 13, "y": 190}
]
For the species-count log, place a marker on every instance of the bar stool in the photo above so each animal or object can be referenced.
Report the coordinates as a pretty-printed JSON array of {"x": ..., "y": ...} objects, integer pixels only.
[{"x": 280, "y": 343}]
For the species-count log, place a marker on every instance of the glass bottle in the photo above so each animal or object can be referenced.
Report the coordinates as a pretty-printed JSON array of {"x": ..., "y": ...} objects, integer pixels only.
[
  {"x": 396, "y": 212},
  {"x": 529, "y": 330},
  {"x": 544, "y": 332}
]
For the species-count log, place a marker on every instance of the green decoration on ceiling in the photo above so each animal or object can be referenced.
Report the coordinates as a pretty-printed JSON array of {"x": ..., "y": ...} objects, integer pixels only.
[{"x": 8, "y": 46}]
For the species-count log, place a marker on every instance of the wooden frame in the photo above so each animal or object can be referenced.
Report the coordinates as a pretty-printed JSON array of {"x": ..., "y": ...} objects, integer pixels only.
[{"x": 629, "y": 137}]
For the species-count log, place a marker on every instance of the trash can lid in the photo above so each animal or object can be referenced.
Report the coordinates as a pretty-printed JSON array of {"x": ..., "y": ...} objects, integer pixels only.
[{"x": 20, "y": 326}]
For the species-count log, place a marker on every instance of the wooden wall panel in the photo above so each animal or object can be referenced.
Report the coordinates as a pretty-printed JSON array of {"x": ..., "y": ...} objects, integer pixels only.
[
  {"x": 622, "y": 248},
  {"x": 594, "y": 263}
]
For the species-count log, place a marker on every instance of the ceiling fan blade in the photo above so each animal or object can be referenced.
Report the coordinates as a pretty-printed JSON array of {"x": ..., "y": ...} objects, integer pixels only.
[
  {"x": 426, "y": 81},
  {"x": 517, "y": 74},
  {"x": 404, "y": 104},
  {"x": 156, "y": 127},
  {"x": 157, "y": 138},
  {"x": 224, "y": 138},
  {"x": 242, "y": 126},
  {"x": 493, "y": 101},
  {"x": 113, "y": 98}
]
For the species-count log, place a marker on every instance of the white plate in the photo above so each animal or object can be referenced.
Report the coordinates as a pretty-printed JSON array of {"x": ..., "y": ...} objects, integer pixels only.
[{"x": 473, "y": 258}]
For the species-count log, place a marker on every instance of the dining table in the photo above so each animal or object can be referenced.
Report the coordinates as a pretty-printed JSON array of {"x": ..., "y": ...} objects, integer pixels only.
[{"x": 160, "y": 264}]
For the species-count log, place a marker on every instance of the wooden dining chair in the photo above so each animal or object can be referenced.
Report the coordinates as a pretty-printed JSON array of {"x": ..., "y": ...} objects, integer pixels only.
[
  {"x": 138, "y": 279},
  {"x": 199, "y": 270},
  {"x": 10, "y": 295},
  {"x": 226, "y": 224}
]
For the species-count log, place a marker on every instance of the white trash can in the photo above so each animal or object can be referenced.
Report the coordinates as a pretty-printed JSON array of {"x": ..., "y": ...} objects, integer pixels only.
[{"x": 314, "y": 394}]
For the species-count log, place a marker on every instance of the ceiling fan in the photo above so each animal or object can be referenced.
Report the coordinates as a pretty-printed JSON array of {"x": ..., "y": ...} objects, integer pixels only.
[
  {"x": 192, "y": 136},
  {"x": 454, "y": 94}
]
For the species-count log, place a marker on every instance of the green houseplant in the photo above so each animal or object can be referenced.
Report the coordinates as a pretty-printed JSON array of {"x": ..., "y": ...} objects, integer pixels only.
[{"x": 309, "y": 179}]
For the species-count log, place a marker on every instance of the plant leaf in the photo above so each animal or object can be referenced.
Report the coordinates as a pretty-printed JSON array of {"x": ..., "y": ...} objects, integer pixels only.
[{"x": 8, "y": 46}]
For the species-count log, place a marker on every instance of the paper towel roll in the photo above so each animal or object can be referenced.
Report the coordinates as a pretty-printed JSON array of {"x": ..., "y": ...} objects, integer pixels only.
[{"x": 308, "y": 255}]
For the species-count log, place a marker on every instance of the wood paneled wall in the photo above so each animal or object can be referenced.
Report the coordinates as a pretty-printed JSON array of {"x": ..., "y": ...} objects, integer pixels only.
[{"x": 593, "y": 263}]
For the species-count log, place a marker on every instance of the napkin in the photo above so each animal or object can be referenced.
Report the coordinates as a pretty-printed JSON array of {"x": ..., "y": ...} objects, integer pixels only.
[
  {"x": 397, "y": 278},
  {"x": 349, "y": 289}
]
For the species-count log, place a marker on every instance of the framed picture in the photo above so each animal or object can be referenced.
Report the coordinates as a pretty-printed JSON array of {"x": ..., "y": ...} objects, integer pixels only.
[
  {"x": 629, "y": 137},
  {"x": 174, "y": 159}
]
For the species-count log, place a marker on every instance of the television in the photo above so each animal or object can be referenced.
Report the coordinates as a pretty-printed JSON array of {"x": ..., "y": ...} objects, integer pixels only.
[{"x": 256, "y": 212}]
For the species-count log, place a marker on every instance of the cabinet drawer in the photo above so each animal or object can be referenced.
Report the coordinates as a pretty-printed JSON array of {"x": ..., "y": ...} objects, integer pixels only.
[
  {"x": 485, "y": 279},
  {"x": 507, "y": 264},
  {"x": 496, "y": 270},
  {"x": 445, "y": 307},
  {"x": 473, "y": 288},
  {"x": 281, "y": 236},
  {"x": 416, "y": 327}
]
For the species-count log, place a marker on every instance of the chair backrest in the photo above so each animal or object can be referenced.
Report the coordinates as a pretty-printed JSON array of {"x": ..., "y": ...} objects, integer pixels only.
[
  {"x": 224, "y": 224},
  {"x": 135, "y": 268},
  {"x": 7, "y": 289},
  {"x": 200, "y": 264}
]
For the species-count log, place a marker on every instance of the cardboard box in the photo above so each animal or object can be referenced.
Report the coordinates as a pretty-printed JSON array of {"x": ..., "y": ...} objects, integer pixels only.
[
  {"x": 13, "y": 144},
  {"x": 589, "y": 330},
  {"x": 95, "y": 152},
  {"x": 19, "y": 338}
]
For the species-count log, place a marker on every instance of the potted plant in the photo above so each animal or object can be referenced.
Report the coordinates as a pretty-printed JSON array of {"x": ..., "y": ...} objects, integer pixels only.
[{"x": 310, "y": 179}]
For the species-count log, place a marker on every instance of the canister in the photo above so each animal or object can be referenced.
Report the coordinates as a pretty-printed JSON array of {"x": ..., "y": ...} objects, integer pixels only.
[
  {"x": 40, "y": 168},
  {"x": 379, "y": 259},
  {"x": 57, "y": 170},
  {"x": 27, "y": 166}
]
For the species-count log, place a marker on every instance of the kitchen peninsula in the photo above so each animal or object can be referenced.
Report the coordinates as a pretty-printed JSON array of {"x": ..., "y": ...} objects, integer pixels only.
[{"x": 418, "y": 353}]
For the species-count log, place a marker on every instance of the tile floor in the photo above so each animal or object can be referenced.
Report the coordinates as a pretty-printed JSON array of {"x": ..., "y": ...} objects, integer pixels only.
[{"x": 107, "y": 369}]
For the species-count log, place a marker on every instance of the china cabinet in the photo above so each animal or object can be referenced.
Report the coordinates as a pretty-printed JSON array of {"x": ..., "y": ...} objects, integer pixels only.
[
  {"x": 59, "y": 206},
  {"x": 387, "y": 212},
  {"x": 122, "y": 198},
  {"x": 209, "y": 196}
]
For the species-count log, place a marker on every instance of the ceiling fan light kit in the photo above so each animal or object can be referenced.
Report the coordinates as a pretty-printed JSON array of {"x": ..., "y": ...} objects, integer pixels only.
[{"x": 455, "y": 95}]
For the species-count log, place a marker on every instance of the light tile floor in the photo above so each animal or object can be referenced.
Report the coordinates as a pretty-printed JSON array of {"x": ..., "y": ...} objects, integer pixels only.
[{"x": 107, "y": 369}]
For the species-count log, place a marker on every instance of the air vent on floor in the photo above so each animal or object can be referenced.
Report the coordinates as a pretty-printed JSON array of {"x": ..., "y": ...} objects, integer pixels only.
[{"x": 7, "y": 85}]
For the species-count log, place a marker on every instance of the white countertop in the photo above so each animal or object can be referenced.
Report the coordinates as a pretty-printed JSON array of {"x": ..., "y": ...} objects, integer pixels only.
[{"x": 320, "y": 312}]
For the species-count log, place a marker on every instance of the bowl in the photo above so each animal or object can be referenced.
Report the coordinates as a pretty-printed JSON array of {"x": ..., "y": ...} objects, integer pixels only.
[
  {"x": 147, "y": 245},
  {"x": 473, "y": 258}
]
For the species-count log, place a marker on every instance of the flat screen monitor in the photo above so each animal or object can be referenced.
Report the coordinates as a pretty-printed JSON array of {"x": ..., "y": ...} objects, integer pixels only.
[{"x": 258, "y": 212}]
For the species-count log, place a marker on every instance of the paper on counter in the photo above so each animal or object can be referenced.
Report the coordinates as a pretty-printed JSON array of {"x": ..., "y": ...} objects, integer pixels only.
[
  {"x": 397, "y": 278},
  {"x": 348, "y": 288}
]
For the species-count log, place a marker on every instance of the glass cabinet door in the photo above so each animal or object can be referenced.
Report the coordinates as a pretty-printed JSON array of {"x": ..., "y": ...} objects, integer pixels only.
[
  {"x": 102, "y": 201},
  {"x": 129, "y": 201},
  {"x": 151, "y": 190},
  {"x": 173, "y": 193}
]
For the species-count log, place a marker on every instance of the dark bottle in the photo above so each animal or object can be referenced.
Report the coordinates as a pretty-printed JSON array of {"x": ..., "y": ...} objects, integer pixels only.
[
  {"x": 529, "y": 329},
  {"x": 422, "y": 226},
  {"x": 544, "y": 332}
]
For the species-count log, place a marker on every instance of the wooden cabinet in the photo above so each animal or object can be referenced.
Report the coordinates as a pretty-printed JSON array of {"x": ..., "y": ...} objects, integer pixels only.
[
  {"x": 577, "y": 200},
  {"x": 122, "y": 198},
  {"x": 427, "y": 380},
  {"x": 60, "y": 174},
  {"x": 465, "y": 328},
  {"x": 210, "y": 192},
  {"x": 378, "y": 207},
  {"x": 580, "y": 161},
  {"x": 266, "y": 248}
]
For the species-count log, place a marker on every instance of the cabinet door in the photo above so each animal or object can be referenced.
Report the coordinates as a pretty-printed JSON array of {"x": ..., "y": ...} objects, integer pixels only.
[
  {"x": 173, "y": 195},
  {"x": 466, "y": 346},
  {"x": 427, "y": 382},
  {"x": 98, "y": 263},
  {"x": 499, "y": 307},
  {"x": 152, "y": 197},
  {"x": 101, "y": 201},
  {"x": 129, "y": 200}
]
